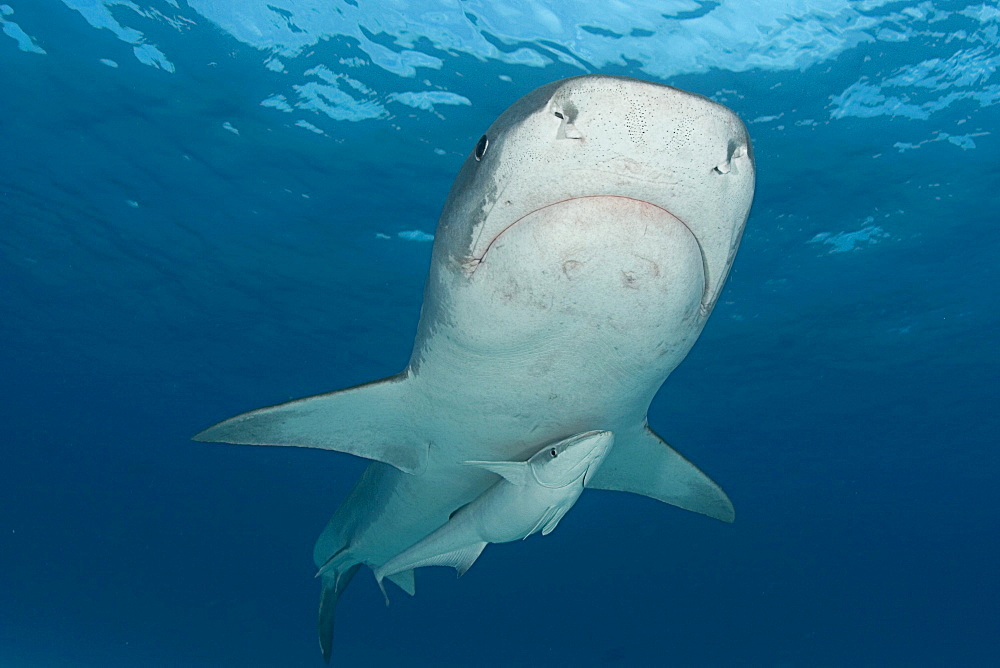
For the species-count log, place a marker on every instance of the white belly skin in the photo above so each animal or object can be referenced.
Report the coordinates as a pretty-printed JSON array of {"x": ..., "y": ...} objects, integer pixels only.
[{"x": 571, "y": 322}]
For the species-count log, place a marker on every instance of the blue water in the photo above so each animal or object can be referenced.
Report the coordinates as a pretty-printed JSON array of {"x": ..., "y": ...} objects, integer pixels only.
[{"x": 213, "y": 205}]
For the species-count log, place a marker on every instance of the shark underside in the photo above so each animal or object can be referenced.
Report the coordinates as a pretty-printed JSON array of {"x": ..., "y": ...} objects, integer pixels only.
[{"x": 579, "y": 254}]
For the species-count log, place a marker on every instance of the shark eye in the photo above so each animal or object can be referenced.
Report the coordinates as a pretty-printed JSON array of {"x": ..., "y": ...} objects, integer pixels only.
[
  {"x": 484, "y": 143},
  {"x": 554, "y": 452}
]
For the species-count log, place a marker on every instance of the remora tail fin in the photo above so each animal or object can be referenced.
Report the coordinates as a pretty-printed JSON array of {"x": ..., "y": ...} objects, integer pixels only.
[
  {"x": 643, "y": 463},
  {"x": 368, "y": 420}
]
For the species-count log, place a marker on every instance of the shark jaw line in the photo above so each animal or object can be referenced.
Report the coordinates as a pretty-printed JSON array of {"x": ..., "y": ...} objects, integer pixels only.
[{"x": 473, "y": 263}]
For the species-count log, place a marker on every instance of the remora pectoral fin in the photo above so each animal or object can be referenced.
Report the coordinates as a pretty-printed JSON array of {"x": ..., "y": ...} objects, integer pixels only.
[
  {"x": 515, "y": 473},
  {"x": 368, "y": 420},
  {"x": 553, "y": 522},
  {"x": 642, "y": 463}
]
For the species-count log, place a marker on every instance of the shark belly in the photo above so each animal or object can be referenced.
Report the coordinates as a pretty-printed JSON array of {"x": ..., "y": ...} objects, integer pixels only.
[
  {"x": 577, "y": 312},
  {"x": 571, "y": 323}
]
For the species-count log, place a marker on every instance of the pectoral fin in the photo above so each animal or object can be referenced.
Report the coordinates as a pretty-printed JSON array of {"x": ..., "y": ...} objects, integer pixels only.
[
  {"x": 513, "y": 472},
  {"x": 549, "y": 519},
  {"x": 642, "y": 463},
  {"x": 557, "y": 515},
  {"x": 370, "y": 421},
  {"x": 543, "y": 521}
]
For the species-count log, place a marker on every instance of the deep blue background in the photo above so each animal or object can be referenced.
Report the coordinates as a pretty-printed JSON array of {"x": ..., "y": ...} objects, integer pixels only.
[{"x": 847, "y": 401}]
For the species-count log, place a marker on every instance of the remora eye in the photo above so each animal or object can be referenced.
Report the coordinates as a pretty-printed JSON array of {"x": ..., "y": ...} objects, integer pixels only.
[
  {"x": 484, "y": 143},
  {"x": 553, "y": 452}
]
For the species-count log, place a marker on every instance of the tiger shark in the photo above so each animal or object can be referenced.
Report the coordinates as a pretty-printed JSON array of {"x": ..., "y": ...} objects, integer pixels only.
[{"x": 580, "y": 251}]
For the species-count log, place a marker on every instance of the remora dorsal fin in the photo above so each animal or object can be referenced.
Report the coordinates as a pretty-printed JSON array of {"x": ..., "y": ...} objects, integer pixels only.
[
  {"x": 643, "y": 463},
  {"x": 368, "y": 420},
  {"x": 460, "y": 559}
]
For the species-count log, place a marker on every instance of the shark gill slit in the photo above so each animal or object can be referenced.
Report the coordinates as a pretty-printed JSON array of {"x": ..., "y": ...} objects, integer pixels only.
[{"x": 477, "y": 261}]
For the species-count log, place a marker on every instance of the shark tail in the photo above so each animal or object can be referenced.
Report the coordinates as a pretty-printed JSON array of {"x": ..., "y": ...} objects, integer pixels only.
[{"x": 336, "y": 573}]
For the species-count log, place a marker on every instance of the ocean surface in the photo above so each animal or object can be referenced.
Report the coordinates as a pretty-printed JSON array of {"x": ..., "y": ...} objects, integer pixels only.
[{"x": 207, "y": 206}]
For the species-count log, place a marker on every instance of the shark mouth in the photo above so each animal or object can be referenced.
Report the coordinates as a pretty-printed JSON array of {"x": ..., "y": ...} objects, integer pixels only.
[{"x": 628, "y": 204}]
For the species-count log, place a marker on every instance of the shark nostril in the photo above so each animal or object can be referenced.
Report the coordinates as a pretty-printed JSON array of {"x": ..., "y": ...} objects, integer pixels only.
[{"x": 733, "y": 150}]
